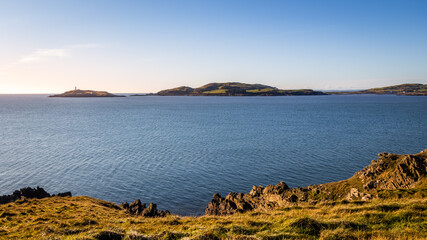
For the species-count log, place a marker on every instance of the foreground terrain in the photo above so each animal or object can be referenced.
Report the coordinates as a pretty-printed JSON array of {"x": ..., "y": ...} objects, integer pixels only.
[
  {"x": 88, "y": 218},
  {"x": 385, "y": 200}
]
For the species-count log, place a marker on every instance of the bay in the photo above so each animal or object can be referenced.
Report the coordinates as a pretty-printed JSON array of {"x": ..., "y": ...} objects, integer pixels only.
[{"x": 179, "y": 151}]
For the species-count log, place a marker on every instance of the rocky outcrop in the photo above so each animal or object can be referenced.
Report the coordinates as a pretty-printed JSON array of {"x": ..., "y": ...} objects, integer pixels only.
[
  {"x": 29, "y": 193},
  {"x": 354, "y": 194},
  {"x": 232, "y": 203},
  {"x": 393, "y": 171},
  {"x": 140, "y": 209},
  {"x": 390, "y": 171},
  {"x": 259, "y": 197}
]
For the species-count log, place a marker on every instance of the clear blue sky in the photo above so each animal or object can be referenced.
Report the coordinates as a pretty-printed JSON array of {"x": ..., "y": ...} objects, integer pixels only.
[{"x": 145, "y": 46}]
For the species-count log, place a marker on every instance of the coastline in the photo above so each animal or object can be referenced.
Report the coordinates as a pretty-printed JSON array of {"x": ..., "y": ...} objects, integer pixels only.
[{"x": 246, "y": 215}]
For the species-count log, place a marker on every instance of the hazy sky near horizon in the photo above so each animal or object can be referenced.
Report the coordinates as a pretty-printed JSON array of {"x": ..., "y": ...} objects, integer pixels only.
[{"x": 49, "y": 46}]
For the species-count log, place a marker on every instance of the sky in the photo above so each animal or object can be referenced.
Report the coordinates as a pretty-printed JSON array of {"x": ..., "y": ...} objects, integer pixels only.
[{"x": 50, "y": 46}]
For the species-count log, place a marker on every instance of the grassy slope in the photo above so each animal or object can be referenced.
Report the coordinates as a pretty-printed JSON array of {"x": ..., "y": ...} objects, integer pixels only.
[
  {"x": 88, "y": 218},
  {"x": 400, "y": 88}
]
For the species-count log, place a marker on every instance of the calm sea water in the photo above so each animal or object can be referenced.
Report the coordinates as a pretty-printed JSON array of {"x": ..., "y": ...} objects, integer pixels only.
[{"x": 178, "y": 151}]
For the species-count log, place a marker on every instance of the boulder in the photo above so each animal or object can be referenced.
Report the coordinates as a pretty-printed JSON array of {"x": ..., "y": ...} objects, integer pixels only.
[
  {"x": 29, "y": 193},
  {"x": 256, "y": 191},
  {"x": 232, "y": 203},
  {"x": 64, "y": 194},
  {"x": 141, "y": 209},
  {"x": 366, "y": 197},
  {"x": 293, "y": 198},
  {"x": 370, "y": 185}
]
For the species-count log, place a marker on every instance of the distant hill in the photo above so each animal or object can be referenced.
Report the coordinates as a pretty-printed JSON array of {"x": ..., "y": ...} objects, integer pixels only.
[
  {"x": 402, "y": 89},
  {"x": 235, "y": 89},
  {"x": 408, "y": 89},
  {"x": 85, "y": 93}
]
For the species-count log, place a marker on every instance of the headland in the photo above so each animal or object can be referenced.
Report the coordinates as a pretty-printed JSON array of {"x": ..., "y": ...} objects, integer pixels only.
[{"x": 407, "y": 89}]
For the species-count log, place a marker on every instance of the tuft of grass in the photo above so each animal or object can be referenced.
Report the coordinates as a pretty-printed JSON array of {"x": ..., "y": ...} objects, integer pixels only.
[
  {"x": 241, "y": 230},
  {"x": 388, "y": 207},
  {"x": 307, "y": 226}
]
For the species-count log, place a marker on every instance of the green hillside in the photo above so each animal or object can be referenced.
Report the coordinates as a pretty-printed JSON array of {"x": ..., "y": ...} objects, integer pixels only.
[{"x": 235, "y": 89}]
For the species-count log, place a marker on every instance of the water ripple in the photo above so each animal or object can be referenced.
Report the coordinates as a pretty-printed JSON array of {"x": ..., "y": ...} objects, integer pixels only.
[{"x": 178, "y": 151}]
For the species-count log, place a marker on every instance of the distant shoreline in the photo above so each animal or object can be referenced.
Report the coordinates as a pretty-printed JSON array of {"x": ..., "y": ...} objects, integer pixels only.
[{"x": 244, "y": 89}]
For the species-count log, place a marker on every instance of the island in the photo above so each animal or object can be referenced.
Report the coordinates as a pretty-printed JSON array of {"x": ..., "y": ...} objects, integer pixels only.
[
  {"x": 385, "y": 200},
  {"x": 235, "y": 89},
  {"x": 407, "y": 89},
  {"x": 86, "y": 93}
]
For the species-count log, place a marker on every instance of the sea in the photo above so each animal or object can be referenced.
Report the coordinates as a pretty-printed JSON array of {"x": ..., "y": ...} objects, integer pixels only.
[{"x": 178, "y": 151}]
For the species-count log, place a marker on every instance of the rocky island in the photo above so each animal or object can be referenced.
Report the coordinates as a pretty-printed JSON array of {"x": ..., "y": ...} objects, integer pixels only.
[
  {"x": 407, "y": 89},
  {"x": 235, "y": 89},
  {"x": 385, "y": 200},
  {"x": 86, "y": 93}
]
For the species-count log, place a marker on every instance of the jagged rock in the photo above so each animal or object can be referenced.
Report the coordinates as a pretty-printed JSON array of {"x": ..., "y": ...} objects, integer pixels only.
[
  {"x": 293, "y": 198},
  {"x": 354, "y": 194},
  {"x": 370, "y": 185},
  {"x": 256, "y": 191},
  {"x": 29, "y": 193},
  {"x": 232, "y": 203},
  {"x": 366, "y": 197},
  {"x": 140, "y": 209},
  {"x": 392, "y": 171},
  {"x": 136, "y": 207},
  {"x": 124, "y": 205},
  {"x": 151, "y": 211},
  {"x": 64, "y": 194},
  {"x": 280, "y": 188}
]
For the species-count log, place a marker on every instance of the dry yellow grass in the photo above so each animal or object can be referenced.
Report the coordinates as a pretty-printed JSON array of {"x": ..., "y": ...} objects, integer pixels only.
[{"x": 88, "y": 218}]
